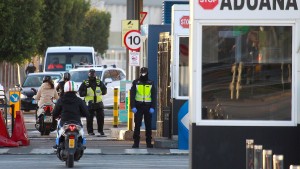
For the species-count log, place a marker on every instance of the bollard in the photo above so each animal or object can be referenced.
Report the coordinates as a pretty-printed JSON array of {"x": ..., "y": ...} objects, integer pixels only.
[
  {"x": 130, "y": 114},
  {"x": 294, "y": 166},
  {"x": 249, "y": 153},
  {"x": 277, "y": 161},
  {"x": 258, "y": 157},
  {"x": 116, "y": 111},
  {"x": 267, "y": 159}
]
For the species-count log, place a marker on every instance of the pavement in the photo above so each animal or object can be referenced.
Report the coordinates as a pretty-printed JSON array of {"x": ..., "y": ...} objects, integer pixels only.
[{"x": 108, "y": 145}]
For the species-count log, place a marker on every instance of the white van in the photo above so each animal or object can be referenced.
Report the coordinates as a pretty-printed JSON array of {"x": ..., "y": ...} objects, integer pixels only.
[{"x": 64, "y": 58}]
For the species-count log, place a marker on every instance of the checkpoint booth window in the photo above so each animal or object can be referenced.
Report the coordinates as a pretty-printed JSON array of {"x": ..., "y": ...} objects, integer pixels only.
[
  {"x": 247, "y": 72},
  {"x": 244, "y": 67}
]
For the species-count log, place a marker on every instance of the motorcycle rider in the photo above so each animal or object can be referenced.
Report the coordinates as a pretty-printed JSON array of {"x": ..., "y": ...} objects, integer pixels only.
[
  {"x": 69, "y": 107},
  {"x": 60, "y": 86},
  {"x": 46, "y": 94}
]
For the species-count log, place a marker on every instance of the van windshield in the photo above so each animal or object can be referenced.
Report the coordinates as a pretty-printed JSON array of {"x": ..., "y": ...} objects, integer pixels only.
[{"x": 67, "y": 61}]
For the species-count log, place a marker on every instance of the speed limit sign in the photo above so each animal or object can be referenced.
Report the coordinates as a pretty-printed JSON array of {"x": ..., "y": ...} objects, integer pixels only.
[{"x": 133, "y": 40}]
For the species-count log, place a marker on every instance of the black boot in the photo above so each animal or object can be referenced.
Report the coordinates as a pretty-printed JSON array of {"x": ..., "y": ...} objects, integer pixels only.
[
  {"x": 136, "y": 144},
  {"x": 149, "y": 145}
]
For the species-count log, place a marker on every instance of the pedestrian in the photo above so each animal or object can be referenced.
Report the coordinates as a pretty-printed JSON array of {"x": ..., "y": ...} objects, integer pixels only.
[
  {"x": 142, "y": 102},
  {"x": 92, "y": 90},
  {"x": 30, "y": 68},
  {"x": 61, "y": 84}
]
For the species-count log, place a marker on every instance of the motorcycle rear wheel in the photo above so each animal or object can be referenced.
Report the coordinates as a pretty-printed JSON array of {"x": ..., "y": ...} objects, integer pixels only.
[{"x": 70, "y": 161}]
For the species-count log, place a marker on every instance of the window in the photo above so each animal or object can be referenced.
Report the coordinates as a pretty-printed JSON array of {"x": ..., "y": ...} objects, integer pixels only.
[
  {"x": 67, "y": 61},
  {"x": 183, "y": 66},
  {"x": 247, "y": 72}
]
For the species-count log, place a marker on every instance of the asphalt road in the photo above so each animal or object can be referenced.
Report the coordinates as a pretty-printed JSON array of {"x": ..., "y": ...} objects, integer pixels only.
[{"x": 95, "y": 161}]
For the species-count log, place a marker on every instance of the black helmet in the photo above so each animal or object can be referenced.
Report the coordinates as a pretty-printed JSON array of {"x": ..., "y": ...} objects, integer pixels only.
[
  {"x": 92, "y": 73},
  {"x": 67, "y": 76},
  {"x": 46, "y": 79}
]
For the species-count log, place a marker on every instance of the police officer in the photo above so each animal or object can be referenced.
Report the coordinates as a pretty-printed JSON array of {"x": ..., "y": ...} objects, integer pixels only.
[
  {"x": 92, "y": 90},
  {"x": 61, "y": 84},
  {"x": 142, "y": 101}
]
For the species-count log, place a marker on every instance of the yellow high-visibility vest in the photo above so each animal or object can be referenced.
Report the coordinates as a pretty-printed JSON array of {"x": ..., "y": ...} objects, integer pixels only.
[
  {"x": 91, "y": 93},
  {"x": 143, "y": 93}
]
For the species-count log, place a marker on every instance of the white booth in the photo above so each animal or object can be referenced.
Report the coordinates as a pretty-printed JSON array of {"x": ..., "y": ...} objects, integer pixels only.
[
  {"x": 244, "y": 71},
  {"x": 179, "y": 73}
]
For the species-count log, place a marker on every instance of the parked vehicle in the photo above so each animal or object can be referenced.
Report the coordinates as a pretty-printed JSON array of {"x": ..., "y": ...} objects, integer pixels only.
[
  {"x": 34, "y": 81},
  {"x": 70, "y": 143},
  {"x": 63, "y": 58},
  {"x": 110, "y": 75}
]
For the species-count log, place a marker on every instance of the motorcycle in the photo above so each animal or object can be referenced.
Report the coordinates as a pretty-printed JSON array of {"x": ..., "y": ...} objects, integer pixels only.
[
  {"x": 45, "y": 122},
  {"x": 70, "y": 143}
]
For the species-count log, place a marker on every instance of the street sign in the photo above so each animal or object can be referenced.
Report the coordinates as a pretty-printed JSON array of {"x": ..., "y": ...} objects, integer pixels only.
[
  {"x": 184, "y": 21},
  {"x": 142, "y": 17},
  {"x": 134, "y": 58},
  {"x": 208, "y": 4},
  {"x": 128, "y": 25},
  {"x": 133, "y": 40},
  {"x": 14, "y": 98}
]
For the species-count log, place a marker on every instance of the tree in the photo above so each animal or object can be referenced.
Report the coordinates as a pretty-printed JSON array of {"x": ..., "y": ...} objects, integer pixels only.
[
  {"x": 74, "y": 22},
  {"x": 20, "y": 30},
  {"x": 96, "y": 30},
  {"x": 63, "y": 22}
]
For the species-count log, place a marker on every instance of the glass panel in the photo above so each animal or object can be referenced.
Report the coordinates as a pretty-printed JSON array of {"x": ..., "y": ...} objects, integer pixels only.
[
  {"x": 247, "y": 72},
  {"x": 66, "y": 61},
  {"x": 37, "y": 80},
  {"x": 183, "y": 66}
]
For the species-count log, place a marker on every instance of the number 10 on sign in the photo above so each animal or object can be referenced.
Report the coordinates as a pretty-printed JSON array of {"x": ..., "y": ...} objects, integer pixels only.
[{"x": 132, "y": 40}]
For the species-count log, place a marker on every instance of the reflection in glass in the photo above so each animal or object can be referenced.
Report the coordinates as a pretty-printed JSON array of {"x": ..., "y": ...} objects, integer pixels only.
[
  {"x": 247, "y": 72},
  {"x": 183, "y": 66}
]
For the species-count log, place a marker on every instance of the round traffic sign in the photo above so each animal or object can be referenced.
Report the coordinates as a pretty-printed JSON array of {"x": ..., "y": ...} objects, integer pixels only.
[
  {"x": 208, "y": 4},
  {"x": 133, "y": 40},
  {"x": 14, "y": 98}
]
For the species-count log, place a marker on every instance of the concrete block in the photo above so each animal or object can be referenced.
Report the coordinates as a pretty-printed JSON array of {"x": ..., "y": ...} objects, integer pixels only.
[{"x": 163, "y": 142}]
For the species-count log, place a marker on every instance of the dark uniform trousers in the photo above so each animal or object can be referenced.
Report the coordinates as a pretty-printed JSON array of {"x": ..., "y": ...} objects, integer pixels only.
[
  {"x": 99, "y": 116},
  {"x": 142, "y": 110}
]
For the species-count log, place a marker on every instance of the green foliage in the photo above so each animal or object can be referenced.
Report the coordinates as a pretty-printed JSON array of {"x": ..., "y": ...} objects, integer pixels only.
[
  {"x": 96, "y": 29},
  {"x": 28, "y": 27},
  {"x": 20, "y": 30}
]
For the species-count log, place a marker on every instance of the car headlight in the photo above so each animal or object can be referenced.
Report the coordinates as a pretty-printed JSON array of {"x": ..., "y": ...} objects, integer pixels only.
[{"x": 23, "y": 96}]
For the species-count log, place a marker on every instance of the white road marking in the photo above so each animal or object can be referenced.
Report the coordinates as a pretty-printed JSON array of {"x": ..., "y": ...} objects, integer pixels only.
[
  {"x": 3, "y": 151},
  {"x": 136, "y": 151},
  {"x": 92, "y": 151},
  {"x": 177, "y": 151},
  {"x": 42, "y": 151}
]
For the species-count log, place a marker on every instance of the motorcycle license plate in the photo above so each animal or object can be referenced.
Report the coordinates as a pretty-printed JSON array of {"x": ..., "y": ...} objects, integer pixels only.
[
  {"x": 48, "y": 119},
  {"x": 71, "y": 143}
]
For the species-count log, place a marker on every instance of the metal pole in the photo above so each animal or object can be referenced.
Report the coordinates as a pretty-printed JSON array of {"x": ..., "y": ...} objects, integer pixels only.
[
  {"x": 12, "y": 117},
  {"x": 130, "y": 114},
  {"x": 249, "y": 153},
  {"x": 116, "y": 111},
  {"x": 138, "y": 7},
  {"x": 130, "y": 15}
]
